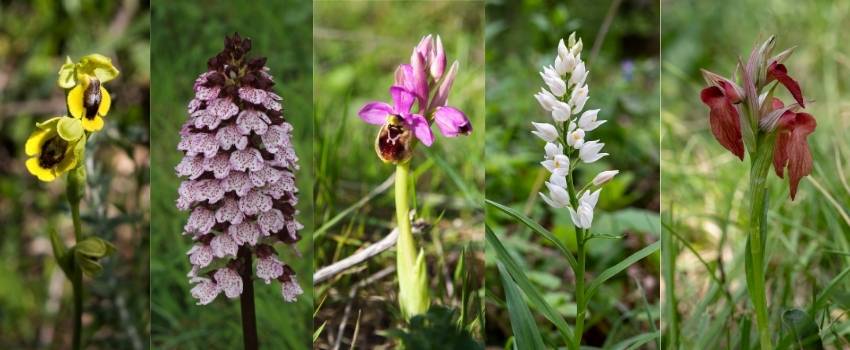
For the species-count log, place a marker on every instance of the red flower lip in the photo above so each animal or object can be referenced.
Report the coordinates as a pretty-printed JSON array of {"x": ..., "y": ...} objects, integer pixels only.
[
  {"x": 724, "y": 119},
  {"x": 792, "y": 149}
]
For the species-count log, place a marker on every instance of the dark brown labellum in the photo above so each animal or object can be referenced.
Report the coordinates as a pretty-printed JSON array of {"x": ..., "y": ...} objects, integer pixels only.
[
  {"x": 393, "y": 144},
  {"x": 52, "y": 152},
  {"x": 92, "y": 98}
]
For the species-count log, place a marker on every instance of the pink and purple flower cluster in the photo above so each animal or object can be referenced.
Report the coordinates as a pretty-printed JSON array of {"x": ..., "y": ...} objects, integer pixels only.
[
  {"x": 239, "y": 185},
  {"x": 424, "y": 83}
]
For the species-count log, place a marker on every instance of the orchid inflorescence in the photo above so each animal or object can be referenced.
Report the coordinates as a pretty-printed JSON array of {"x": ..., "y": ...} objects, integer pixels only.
[
  {"x": 240, "y": 188},
  {"x": 565, "y": 139},
  {"x": 425, "y": 83},
  {"x": 58, "y": 144},
  {"x": 744, "y": 112}
]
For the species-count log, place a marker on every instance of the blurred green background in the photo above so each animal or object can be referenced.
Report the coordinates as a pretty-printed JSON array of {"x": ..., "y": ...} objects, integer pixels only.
[
  {"x": 35, "y": 296},
  {"x": 705, "y": 187},
  {"x": 186, "y": 35},
  {"x": 358, "y": 46},
  {"x": 621, "y": 51}
]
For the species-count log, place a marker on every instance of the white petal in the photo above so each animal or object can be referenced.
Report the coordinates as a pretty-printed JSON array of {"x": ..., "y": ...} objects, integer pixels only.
[{"x": 545, "y": 131}]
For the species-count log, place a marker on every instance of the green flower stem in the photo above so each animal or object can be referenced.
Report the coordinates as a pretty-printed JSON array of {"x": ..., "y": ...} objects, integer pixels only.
[
  {"x": 76, "y": 183},
  {"x": 410, "y": 266},
  {"x": 761, "y": 160},
  {"x": 581, "y": 304}
]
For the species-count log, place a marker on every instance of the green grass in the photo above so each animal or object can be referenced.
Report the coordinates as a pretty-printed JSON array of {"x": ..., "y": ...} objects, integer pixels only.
[
  {"x": 185, "y": 36},
  {"x": 704, "y": 187},
  {"x": 354, "y": 63},
  {"x": 522, "y": 36}
]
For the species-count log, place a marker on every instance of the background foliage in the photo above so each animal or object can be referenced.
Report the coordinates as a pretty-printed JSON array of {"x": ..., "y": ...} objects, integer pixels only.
[
  {"x": 35, "y": 297},
  {"x": 621, "y": 49},
  {"x": 704, "y": 186},
  {"x": 186, "y": 35},
  {"x": 354, "y": 63}
]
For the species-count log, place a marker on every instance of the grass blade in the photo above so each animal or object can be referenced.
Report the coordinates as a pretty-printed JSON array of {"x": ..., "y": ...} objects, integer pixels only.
[
  {"x": 526, "y": 334},
  {"x": 534, "y": 226},
  {"x": 619, "y": 267},
  {"x": 534, "y": 298}
]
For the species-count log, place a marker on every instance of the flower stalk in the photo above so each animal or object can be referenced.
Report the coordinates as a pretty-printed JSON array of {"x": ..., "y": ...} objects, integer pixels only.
[
  {"x": 419, "y": 94},
  {"x": 565, "y": 99},
  {"x": 56, "y": 148},
  {"x": 246, "y": 302},
  {"x": 749, "y": 117},
  {"x": 412, "y": 272}
]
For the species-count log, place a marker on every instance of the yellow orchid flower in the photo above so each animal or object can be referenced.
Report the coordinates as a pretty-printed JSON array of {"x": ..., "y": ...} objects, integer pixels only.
[
  {"x": 55, "y": 147},
  {"x": 89, "y": 101}
]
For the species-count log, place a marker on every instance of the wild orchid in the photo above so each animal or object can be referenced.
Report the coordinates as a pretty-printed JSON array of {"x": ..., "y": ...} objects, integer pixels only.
[
  {"x": 566, "y": 147},
  {"x": 57, "y": 147},
  {"x": 420, "y": 95},
  {"x": 240, "y": 188},
  {"x": 746, "y": 116}
]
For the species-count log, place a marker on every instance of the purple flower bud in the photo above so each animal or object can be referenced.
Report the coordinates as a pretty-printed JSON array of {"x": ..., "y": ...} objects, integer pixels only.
[
  {"x": 438, "y": 60},
  {"x": 239, "y": 166}
]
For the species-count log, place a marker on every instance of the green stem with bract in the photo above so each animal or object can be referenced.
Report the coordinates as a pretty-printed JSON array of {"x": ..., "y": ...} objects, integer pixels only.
[
  {"x": 760, "y": 165},
  {"x": 74, "y": 192},
  {"x": 410, "y": 265}
]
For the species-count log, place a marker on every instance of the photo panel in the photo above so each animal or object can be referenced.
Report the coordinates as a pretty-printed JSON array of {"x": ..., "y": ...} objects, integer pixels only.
[
  {"x": 399, "y": 147},
  {"x": 232, "y": 172}
]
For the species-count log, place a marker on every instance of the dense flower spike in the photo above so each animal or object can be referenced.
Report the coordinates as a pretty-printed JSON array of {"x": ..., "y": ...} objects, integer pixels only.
[
  {"x": 740, "y": 116},
  {"x": 565, "y": 98},
  {"x": 239, "y": 166},
  {"x": 413, "y": 83}
]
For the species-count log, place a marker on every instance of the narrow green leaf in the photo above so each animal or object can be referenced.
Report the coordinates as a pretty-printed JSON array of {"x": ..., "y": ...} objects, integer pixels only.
[
  {"x": 824, "y": 295},
  {"x": 318, "y": 331},
  {"x": 745, "y": 325},
  {"x": 619, "y": 267},
  {"x": 803, "y": 328},
  {"x": 59, "y": 252},
  {"x": 534, "y": 226},
  {"x": 526, "y": 334},
  {"x": 635, "y": 342},
  {"x": 521, "y": 280}
]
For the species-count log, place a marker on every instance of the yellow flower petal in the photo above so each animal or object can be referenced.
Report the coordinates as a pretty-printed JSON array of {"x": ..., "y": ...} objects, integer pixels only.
[
  {"x": 105, "y": 102},
  {"x": 93, "y": 124},
  {"x": 75, "y": 101},
  {"x": 35, "y": 141},
  {"x": 43, "y": 174}
]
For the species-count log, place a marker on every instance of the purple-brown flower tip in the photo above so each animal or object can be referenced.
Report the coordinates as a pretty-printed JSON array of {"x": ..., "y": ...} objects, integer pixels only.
[
  {"x": 724, "y": 120},
  {"x": 792, "y": 148}
]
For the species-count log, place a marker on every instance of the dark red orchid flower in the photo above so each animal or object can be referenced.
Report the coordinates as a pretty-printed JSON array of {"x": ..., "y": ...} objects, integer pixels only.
[
  {"x": 777, "y": 71},
  {"x": 725, "y": 123},
  {"x": 792, "y": 149}
]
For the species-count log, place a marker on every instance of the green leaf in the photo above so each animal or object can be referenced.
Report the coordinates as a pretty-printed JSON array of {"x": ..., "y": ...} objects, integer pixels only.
[
  {"x": 318, "y": 331},
  {"x": 59, "y": 252},
  {"x": 803, "y": 328},
  {"x": 521, "y": 280},
  {"x": 526, "y": 334},
  {"x": 67, "y": 77},
  {"x": 593, "y": 286},
  {"x": 635, "y": 342},
  {"x": 824, "y": 295},
  {"x": 534, "y": 226}
]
